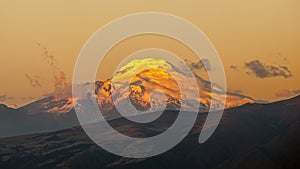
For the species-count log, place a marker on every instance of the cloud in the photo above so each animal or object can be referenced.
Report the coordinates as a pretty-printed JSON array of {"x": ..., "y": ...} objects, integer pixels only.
[
  {"x": 238, "y": 91},
  {"x": 60, "y": 85},
  {"x": 2, "y": 98},
  {"x": 283, "y": 93},
  {"x": 34, "y": 82},
  {"x": 62, "y": 89},
  {"x": 296, "y": 92},
  {"x": 263, "y": 70},
  {"x": 233, "y": 67},
  {"x": 47, "y": 56},
  {"x": 202, "y": 64}
]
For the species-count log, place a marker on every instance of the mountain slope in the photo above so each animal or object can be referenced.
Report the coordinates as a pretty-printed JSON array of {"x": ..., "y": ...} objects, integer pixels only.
[
  {"x": 138, "y": 78},
  {"x": 55, "y": 113},
  {"x": 38, "y": 116},
  {"x": 250, "y": 136}
]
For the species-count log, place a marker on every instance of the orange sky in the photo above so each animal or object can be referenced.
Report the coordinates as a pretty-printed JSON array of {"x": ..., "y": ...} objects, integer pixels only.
[{"x": 267, "y": 30}]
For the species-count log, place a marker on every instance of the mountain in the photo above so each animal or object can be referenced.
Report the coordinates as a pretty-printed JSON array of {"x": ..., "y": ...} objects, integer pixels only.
[
  {"x": 48, "y": 114},
  {"x": 55, "y": 113},
  {"x": 4, "y": 107},
  {"x": 250, "y": 136},
  {"x": 50, "y": 105},
  {"x": 139, "y": 77}
]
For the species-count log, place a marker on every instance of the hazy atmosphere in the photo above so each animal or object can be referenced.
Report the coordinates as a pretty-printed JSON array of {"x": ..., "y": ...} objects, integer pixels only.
[{"x": 40, "y": 41}]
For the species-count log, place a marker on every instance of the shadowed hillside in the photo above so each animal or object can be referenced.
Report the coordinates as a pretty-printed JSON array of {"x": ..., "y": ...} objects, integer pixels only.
[{"x": 250, "y": 136}]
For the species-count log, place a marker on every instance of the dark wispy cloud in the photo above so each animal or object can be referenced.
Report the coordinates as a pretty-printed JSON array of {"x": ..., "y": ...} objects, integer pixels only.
[
  {"x": 33, "y": 81},
  {"x": 234, "y": 67},
  {"x": 238, "y": 91},
  {"x": 4, "y": 97},
  {"x": 48, "y": 56},
  {"x": 202, "y": 64},
  {"x": 61, "y": 87},
  {"x": 263, "y": 70},
  {"x": 296, "y": 91},
  {"x": 283, "y": 93}
]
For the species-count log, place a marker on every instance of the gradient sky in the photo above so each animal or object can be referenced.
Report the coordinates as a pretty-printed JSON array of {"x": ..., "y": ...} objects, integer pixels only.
[{"x": 265, "y": 30}]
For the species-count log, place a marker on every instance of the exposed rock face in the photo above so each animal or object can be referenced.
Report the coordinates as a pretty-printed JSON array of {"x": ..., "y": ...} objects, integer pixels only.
[{"x": 135, "y": 82}]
